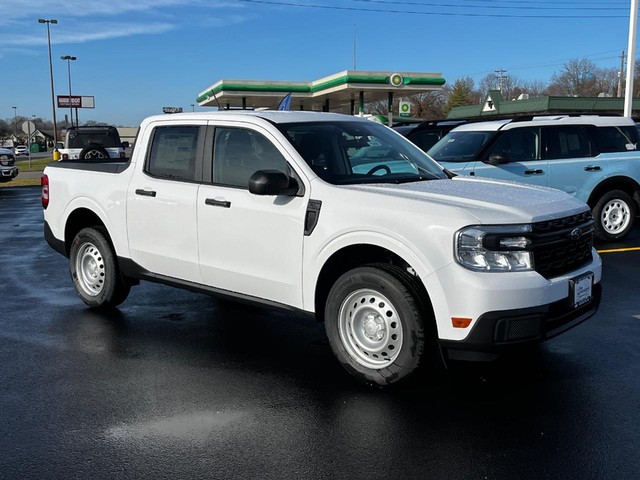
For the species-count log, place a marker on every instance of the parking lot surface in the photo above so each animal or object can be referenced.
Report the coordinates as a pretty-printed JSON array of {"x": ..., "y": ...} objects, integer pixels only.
[{"x": 181, "y": 385}]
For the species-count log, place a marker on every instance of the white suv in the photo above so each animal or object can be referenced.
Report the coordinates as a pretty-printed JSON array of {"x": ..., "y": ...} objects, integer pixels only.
[
  {"x": 20, "y": 150},
  {"x": 595, "y": 159}
]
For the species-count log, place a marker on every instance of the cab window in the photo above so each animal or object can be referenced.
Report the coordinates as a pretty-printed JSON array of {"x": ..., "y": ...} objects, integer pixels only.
[
  {"x": 238, "y": 153},
  {"x": 173, "y": 153}
]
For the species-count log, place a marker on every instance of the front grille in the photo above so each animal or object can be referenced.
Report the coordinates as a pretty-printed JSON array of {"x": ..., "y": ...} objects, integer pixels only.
[{"x": 562, "y": 245}]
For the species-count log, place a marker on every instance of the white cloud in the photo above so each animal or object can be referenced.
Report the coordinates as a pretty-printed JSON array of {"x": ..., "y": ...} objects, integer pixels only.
[
  {"x": 86, "y": 33},
  {"x": 69, "y": 9}
]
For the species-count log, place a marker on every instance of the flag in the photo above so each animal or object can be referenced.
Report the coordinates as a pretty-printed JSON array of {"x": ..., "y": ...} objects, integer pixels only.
[{"x": 285, "y": 104}]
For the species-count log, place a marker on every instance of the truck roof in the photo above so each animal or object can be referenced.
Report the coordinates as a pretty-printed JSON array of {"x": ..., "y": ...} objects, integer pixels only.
[{"x": 275, "y": 116}]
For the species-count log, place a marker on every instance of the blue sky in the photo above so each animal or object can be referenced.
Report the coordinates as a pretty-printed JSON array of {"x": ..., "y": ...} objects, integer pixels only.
[{"x": 136, "y": 56}]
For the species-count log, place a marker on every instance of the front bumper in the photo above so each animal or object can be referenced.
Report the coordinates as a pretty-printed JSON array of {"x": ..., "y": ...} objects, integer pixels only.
[
  {"x": 9, "y": 172},
  {"x": 496, "y": 332}
]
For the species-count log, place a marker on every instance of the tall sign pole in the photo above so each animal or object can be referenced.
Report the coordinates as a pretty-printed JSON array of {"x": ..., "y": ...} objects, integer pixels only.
[{"x": 631, "y": 54}]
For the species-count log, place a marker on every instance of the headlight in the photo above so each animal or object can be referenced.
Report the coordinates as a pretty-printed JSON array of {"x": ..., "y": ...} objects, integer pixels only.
[{"x": 494, "y": 248}]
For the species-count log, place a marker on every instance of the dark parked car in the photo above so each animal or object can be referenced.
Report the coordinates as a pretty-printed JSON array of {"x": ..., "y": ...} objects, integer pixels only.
[
  {"x": 426, "y": 134},
  {"x": 8, "y": 169}
]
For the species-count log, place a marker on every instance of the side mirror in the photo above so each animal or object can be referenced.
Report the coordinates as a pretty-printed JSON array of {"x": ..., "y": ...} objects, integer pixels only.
[
  {"x": 125, "y": 144},
  {"x": 272, "y": 182},
  {"x": 497, "y": 159}
]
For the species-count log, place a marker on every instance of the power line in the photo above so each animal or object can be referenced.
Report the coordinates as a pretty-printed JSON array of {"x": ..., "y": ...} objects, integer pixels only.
[
  {"x": 501, "y": 7},
  {"x": 431, "y": 14}
]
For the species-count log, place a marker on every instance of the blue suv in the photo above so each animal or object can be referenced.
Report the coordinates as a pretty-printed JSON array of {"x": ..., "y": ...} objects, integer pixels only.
[{"x": 594, "y": 158}]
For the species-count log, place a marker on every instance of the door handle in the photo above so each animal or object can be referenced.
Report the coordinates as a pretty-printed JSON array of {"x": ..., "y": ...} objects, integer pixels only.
[
  {"x": 217, "y": 203},
  {"x": 145, "y": 193},
  {"x": 592, "y": 168},
  {"x": 534, "y": 172}
]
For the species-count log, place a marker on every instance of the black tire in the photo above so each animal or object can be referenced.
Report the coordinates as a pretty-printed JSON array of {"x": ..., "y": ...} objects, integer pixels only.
[
  {"x": 94, "y": 152},
  {"x": 377, "y": 325},
  {"x": 94, "y": 270},
  {"x": 614, "y": 214}
]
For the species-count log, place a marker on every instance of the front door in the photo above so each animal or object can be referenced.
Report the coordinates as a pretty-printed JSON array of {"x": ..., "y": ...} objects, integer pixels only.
[
  {"x": 249, "y": 244},
  {"x": 521, "y": 148}
]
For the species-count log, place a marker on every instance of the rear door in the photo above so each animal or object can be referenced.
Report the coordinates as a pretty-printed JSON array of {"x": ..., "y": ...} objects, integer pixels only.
[
  {"x": 575, "y": 165},
  {"x": 161, "y": 206}
]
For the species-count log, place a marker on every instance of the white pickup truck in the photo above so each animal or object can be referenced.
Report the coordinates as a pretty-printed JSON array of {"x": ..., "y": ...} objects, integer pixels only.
[{"x": 334, "y": 216}]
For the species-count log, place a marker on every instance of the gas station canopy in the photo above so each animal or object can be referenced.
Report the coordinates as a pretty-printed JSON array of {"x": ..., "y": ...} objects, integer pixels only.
[{"x": 344, "y": 91}]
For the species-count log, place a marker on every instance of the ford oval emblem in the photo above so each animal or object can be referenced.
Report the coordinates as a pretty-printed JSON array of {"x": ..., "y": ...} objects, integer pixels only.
[{"x": 575, "y": 234}]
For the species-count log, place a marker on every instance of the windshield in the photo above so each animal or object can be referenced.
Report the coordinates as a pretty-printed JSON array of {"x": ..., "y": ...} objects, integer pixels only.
[
  {"x": 360, "y": 152},
  {"x": 459, "y": 146}
]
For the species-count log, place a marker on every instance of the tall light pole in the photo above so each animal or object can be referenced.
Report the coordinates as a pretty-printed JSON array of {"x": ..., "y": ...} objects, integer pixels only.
[
  {"x": 15, "y": 121},
  {"x": 53, "y": 100},
  {"x": 69, "y": 59}
]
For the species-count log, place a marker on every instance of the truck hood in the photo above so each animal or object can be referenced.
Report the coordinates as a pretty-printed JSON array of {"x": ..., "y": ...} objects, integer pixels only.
[{"x": 490, "y": 201}]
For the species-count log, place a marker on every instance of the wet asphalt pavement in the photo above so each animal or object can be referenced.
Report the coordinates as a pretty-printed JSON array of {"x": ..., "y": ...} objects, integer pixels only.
[{"x": 182, "y": 385}]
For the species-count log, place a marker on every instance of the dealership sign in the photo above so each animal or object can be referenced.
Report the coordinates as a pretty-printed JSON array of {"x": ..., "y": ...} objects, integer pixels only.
[{"x": 75, "y": 101}]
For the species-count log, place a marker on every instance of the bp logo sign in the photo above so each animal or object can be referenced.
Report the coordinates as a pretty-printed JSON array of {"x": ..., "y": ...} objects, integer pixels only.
[
  {"x": 405, "y": 109},
  {"x": 396, "y": 80}
]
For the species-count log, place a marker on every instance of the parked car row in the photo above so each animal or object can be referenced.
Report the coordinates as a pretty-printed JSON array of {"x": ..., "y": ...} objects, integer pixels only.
[{"x": 596, "y": 159}]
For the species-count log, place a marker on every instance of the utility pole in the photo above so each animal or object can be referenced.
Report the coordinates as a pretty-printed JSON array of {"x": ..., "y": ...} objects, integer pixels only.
[
  {"x": 354, "y": 47},
  {"x": 620, "y": 75},
  {"x": 631, "y": 53},
  {"x": 501, "y": 77}
]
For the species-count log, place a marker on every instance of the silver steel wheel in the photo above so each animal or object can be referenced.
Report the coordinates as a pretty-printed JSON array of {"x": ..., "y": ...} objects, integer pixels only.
[
  {"x": 90, "y": 269},
  {"x": 616, "y": 215},
  {"x": 370, "y": 328}
]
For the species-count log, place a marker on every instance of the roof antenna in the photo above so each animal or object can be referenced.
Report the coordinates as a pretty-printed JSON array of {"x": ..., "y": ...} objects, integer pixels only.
[{"x": 216, "y": 99}]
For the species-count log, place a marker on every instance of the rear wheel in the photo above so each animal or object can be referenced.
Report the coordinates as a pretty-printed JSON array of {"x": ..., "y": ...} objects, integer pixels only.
[
  {"x": 614, "y": 215},
  {"x": 94, "y": 270},
  {"x": 375, "y": 324}
]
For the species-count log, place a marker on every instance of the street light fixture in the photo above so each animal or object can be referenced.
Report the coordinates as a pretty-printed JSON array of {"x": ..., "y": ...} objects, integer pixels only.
[
  {"x": 15, "y": 121},
  {"x": 69, "y": 59},
  {"x": 53, "y": 102}
]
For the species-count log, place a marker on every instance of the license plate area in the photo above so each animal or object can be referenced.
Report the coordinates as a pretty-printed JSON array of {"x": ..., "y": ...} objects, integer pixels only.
[{"x": 581, "y": 289}]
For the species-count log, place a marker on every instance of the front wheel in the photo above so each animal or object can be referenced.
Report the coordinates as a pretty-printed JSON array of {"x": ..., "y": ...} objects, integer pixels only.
[
  {"x": 614, "y": 215},
  {"x": 375, "y": 324},
  {"x": 94, "y": 270}
]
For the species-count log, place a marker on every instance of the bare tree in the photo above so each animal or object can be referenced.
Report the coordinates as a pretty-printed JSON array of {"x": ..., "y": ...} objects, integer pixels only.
[
  {"x": 535, "y": 88},
  {"x": 607, "y": 81},
  {"x": 428, "y": 105},
  {"x": 510, "y": 86},
  {"x": 578, "y": 78}
]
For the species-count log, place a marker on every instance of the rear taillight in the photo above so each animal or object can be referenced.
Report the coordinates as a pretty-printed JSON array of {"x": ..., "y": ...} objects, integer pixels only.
[{"x": 44, "y": 183}]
